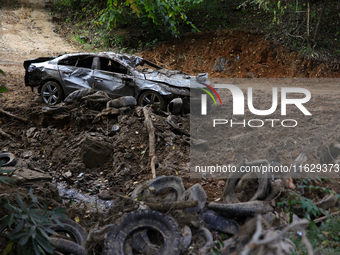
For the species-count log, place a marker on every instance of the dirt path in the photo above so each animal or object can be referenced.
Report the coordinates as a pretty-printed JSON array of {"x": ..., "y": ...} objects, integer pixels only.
[{"x": 26, "y": 32}]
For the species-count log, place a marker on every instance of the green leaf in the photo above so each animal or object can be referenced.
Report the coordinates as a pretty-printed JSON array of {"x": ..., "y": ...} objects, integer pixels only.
[
  {"x": 21, "y": 203},
  {"x": 10, "y": 222},
  {"x": 8, "y": 248},
  {"x": 5, "y": 179},
  {"x": 23, "y": 240},
  {"x": 52, "y": 232},
  {"x": 35, "y": 246},
  {"x": 32, "y": 231},
  {"x": 57, "y": 221},
  {"x": 45, "y": 244}
]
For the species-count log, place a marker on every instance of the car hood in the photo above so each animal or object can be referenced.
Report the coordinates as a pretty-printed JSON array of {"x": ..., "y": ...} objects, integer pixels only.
[{"x": 175, "y": 78}]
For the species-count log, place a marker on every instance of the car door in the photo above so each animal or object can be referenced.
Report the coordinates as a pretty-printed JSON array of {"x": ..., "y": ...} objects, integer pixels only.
[
  {"x": 76, "y": 72},
  {"x": 112, "y": 78}
]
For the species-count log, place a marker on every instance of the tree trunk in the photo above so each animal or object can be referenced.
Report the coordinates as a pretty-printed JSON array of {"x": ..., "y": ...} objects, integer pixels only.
[
  {"x": 317, "y": 28},
  {"x": 308, "y": 29}
]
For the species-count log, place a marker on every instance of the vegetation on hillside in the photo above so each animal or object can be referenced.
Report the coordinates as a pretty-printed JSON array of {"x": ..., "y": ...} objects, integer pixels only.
[{"x": 310, "y": 27}]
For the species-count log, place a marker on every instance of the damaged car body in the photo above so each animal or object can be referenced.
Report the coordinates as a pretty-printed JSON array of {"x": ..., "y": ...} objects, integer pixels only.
[{"x": 116, "y": 74}]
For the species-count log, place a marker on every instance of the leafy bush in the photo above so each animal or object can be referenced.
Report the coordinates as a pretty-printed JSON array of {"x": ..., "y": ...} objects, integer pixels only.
[
  {"x": 324, "y": 239},
  {"x": 5, "y": 179},
  {"x": 27, "y": 227},
  {"x": 307, "y": 205}
]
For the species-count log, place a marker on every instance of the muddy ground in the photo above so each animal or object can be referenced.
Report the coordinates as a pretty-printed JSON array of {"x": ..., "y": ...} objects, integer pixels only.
[{"x": 53, "y": 144}]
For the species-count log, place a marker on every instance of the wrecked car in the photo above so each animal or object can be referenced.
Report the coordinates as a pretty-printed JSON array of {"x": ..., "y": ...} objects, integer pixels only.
[{"x": 116, "y": 74}]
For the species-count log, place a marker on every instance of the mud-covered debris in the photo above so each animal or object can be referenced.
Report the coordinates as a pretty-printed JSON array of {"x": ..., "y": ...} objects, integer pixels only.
[
  {"x": 98, "y": 97},
  {"x": 122, "y": 102},
  {"x": 114, "y": 129},
  {"x": 51, "y": 110},
  {"x": 77, "y": 95},
  {"x": 219, "y": 64},
  {"x": 95, "y": 152},
  {"x": 24, "y": 174},
  {"x": 106, "y": 112},
  {"x": 30, "y": 132}
]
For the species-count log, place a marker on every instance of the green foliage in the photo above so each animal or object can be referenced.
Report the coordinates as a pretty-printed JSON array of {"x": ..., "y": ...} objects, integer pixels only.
[
  {"x": 165, "y": 14},
  {"x": 218, "y": 244},
  {"x": 324, "y": 239},
  {"x": 5, "y": 179},
  {"x": 27, "y": 227},
  {"x": 2, "y": 88},
  {"x": 307, "y": 205}
]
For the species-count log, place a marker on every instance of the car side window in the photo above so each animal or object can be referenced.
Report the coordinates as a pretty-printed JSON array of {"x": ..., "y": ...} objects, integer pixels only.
[
  {"x": 83, "y": 61},
  {"x": 110, "y": 65},
  {"x": 69, "y": 61}
]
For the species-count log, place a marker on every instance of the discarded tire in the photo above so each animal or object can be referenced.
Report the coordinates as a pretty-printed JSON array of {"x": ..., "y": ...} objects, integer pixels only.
[
  {"x": 186, "y": 237},
  {"x": 241, "y": 209},
  {"x": 72, "y": 231},
  {"x": 66, "y": 246},
  {"x": 196, "y": 192},
  {"x": 208, "y": 238},
  {"x": 122, "y": 102},
  {"x": 74, "y": 224},
  {"x": 263, "y": 189},
  {"x": 123, "y": 227},
  {"x": 159, "y": 184},
  {"x": 217, "y": 222},
  {"x": 8, "y": 159},
  {"x": 141, "y": 243},
  {"x": 77, "y": 95}
]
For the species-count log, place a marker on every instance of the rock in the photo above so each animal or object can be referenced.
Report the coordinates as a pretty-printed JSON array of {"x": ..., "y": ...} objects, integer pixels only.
[
  {"x": 219, "y": 64},
  {"x": 105, "y": 195},
  {"x": 94, "y": 152},
  {"x": 269, "y": 217},
  {"x": 24, "y": 174}
]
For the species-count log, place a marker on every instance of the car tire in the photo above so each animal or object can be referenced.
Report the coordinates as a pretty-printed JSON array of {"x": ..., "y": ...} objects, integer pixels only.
[
  {"x": 70, "y": 230},
  {"x": 173, "y": 184},
  {"x": 138, "y": 220},
  {"x": 52, "y": 93},
  {"x": 67, "y": 246},
  {"x": 152, "y": 98},
  {"x": 241, "y": 209},
  {"x": 263, "y": 189},
  {"x": 8, "y": 159},
  {"x": 217, "y": 222}
]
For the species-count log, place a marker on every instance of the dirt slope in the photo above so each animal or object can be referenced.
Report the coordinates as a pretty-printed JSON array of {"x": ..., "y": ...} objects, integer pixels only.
[{"x": 237, "y": 54}]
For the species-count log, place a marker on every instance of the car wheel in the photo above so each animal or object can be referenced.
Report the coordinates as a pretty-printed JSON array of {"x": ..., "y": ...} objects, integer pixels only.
[
  {"x": 152, "y": 98},
  {"x": 52, "y": 93}
]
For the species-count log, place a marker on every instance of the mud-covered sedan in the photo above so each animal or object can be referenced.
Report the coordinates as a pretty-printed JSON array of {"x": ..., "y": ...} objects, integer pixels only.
[{"x": 116, "y": 74}]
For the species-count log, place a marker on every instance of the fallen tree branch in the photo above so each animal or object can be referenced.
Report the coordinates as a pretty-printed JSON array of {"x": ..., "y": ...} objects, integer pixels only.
[
  {"x": 255, "y": 242},
  {"x": 12, "y": 115},
  {"x": 152, "y": 151},
  {"x": 325, "y": 217},
  {"x": 5, "y": 134}
]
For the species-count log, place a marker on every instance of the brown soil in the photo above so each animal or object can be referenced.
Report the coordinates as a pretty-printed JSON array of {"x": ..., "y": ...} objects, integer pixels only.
[{"x": 247, "y": 55}]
